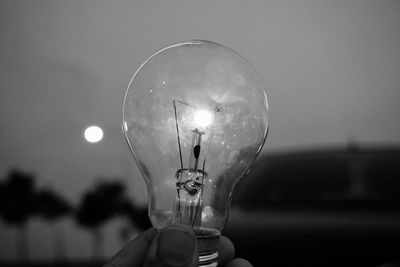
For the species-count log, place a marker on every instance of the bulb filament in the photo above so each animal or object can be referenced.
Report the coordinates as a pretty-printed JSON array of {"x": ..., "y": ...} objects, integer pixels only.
[
  {"x": 195, "y": 151},
  {"x": 190, "y": 180}
]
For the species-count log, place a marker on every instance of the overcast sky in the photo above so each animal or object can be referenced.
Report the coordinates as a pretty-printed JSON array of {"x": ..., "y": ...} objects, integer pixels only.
[{"x": 332, "y": 70}]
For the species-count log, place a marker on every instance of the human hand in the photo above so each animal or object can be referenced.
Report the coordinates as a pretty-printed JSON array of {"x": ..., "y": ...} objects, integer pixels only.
[{"x": 175, "y": 245}]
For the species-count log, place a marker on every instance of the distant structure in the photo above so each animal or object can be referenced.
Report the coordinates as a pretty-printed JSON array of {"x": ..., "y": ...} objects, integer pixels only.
[{"x": 330, "y": 178}]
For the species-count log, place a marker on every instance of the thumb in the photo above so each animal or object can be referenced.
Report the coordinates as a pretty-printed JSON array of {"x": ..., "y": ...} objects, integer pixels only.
[{"x": 175, "y": 245}]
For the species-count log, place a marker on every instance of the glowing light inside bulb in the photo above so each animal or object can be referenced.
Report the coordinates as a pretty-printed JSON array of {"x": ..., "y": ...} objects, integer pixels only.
[
  {"x": 93, "y": 134},
  {"x": 203, "y": 118},
  {"x": 207, "y": 213}
]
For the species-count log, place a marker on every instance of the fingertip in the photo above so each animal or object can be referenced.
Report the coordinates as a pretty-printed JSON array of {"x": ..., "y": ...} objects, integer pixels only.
[
  {"x": 149, "y": 234},
  {"x": 226, "y": 250},
  {"x": 174, "y": 245},
  {"x": 179, "y": 227},
  {"x": 239, "y": 262},
  {"x": 134, "y": 253}
]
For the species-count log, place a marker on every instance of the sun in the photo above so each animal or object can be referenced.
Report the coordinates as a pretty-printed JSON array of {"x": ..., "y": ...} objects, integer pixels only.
[
  {"x": 203, "y": 118},
  {"x": 93, "y": 134}
]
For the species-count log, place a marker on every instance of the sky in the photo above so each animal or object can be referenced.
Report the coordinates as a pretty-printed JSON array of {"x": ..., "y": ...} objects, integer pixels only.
[{"x": 331, "y": 69}]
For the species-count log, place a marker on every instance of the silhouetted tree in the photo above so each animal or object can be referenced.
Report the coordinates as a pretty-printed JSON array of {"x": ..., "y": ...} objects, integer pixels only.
[
  {"x": 97, "y": 206},
  {"x": 52, "y": 206},
  {"x": 138, "y": 216},
  {"x": 17, "y": 205}
]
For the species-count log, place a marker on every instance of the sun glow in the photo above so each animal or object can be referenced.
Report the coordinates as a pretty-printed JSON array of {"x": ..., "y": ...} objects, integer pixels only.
[
  {"x": 93, "y": 134},
  {"x": 203, "y": 118}
]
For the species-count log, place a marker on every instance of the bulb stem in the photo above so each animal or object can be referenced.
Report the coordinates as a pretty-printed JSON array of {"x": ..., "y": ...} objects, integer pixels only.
[
  {"x": 188, "y": 203},
  {"x": 195, "y": 151}
]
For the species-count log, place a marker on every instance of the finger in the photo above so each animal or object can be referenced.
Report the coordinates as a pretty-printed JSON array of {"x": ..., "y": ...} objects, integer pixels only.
[
  {"x": 133, "y": 254},
  {"x": 226, "y": 250},
  {"x": 238, "y": 262},
  {"x": 175, "y": 245}
]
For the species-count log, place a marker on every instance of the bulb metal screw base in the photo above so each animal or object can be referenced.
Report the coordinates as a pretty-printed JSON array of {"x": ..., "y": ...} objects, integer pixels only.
[
  {"x": 208, "y": 260},
  {"x": 208, "y": 250}
]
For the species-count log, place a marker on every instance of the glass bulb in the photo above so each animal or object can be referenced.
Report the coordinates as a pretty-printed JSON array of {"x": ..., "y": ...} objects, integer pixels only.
[{"x": 195, "y": 118}]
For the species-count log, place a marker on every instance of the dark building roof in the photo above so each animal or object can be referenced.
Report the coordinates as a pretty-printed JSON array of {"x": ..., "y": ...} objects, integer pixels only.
[{"x": 330, "y": 178}]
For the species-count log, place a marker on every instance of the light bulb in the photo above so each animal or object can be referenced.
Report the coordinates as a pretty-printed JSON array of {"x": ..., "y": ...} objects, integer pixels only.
[{"x": 195, "y": 118}]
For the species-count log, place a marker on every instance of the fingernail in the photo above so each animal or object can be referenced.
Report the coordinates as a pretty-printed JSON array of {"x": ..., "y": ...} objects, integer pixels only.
[{"x": 176, "y": 247}]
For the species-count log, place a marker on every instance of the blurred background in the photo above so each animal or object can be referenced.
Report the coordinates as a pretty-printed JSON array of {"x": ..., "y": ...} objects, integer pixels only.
[{"x": 324, "y": 190}]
